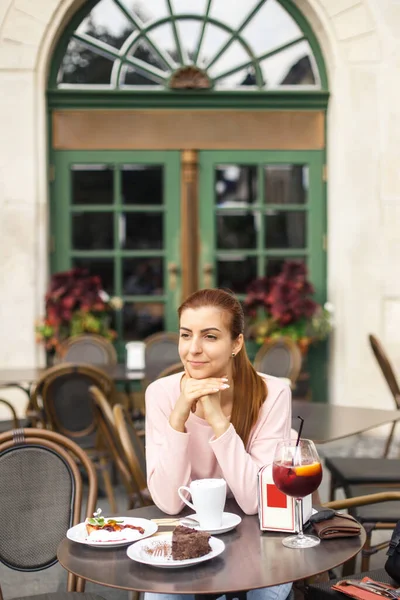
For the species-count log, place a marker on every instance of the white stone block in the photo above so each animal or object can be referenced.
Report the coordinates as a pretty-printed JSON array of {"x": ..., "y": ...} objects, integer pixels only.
[
  {"x": 23, "y": 28},
  {"x": 40, "y": 9},
  {"x": 333, "y": 7},
  {"x": 18, "y": 309},
  {"x": 366, "y": 48},
  {"x": 353, "y": 22},
  {"x": 4, "y": 6},
  {"x": 391, "y": 328},
  {"x": 17, "y": 56},
  {"x": 18, "y": 170}
]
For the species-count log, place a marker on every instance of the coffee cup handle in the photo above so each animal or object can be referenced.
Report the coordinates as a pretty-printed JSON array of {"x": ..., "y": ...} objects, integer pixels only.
[{"x": 185, "y": 500}]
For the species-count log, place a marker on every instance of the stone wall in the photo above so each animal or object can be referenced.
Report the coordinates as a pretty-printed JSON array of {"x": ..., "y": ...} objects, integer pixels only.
[{"x": 361, "y": 44}]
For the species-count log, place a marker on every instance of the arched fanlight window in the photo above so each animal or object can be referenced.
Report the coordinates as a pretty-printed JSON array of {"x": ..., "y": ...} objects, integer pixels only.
[{"x": 244, "y": 45}]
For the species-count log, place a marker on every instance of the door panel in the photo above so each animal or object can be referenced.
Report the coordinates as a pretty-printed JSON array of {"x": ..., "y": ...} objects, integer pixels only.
[
  {"x": 118, "y": 215},
  {"x": 258, "y": 209}
]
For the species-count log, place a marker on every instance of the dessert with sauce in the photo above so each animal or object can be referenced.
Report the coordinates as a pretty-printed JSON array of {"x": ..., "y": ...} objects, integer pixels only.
[{"x": 101, "y": 529}]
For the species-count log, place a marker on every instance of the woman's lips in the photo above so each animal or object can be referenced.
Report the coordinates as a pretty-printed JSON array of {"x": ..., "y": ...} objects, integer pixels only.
[{"x": 195, "y": 363}]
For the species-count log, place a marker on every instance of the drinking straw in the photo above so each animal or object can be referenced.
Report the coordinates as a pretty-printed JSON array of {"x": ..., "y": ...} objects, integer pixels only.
[
  {"x": 300, "y": 430},
  {"x": 295, "y": 453}
]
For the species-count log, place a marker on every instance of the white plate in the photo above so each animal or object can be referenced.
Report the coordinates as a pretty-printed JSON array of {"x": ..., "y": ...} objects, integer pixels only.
[
  {"x": 78, "y": 533},
  {"x": 229, "y": 521},
  {"x": 139, "y": 553}
]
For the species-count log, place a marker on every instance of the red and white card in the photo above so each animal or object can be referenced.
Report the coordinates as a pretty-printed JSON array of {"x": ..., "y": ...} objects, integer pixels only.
[{"x": 276, "y": 511}]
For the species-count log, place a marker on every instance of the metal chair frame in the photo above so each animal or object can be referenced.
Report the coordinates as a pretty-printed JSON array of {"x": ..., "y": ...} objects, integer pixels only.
[
  {"x": 390, "y": 377},
  {"x": 293, "y": 349},
  {"x": 171, "y": 370},
  {"x": 72, "y": 455},
  {"x": 122, "y": 422},
  {"x": 354, "y": 502},
  {"x": 98, "y": 453},
  {"x": 152, "y": 340},
  {"x": 98, "y": 340}
]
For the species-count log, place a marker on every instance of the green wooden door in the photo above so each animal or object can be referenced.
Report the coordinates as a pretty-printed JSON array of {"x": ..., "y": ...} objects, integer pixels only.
[
  {"x": 258, "y": 209},
  {"x": 116, "y": 213}
]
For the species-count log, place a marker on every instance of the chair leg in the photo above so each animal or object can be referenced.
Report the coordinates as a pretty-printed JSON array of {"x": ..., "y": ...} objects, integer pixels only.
[
  {"x": 133, "y": 595},
  {"x": 108, "y": 484},
  {"x": 332, "y": 489},
  {"x": 365, "y": 552}
]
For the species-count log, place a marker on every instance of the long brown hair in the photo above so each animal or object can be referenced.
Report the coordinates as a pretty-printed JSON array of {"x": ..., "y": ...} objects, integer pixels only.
[{"x": 250, "y": 389}]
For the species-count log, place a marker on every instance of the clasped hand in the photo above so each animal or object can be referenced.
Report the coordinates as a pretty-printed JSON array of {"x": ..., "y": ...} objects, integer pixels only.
[{"x": 208, "y": 392}]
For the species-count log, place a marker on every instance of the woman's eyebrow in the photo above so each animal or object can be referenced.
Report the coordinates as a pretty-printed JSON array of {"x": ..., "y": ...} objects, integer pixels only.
[{"x": 202, "y": 330}]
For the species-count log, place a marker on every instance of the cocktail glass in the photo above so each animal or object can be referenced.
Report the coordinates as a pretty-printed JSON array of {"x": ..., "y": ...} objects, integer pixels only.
[{"x": 297, "y": 472}]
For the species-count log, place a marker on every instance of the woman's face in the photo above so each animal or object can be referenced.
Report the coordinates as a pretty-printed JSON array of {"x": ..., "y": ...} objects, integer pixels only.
[{"x": 205, "y": 343}]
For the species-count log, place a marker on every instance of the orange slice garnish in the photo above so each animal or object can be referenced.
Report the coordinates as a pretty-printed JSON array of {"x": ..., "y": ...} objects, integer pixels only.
[{"x": 308, "y": 470}]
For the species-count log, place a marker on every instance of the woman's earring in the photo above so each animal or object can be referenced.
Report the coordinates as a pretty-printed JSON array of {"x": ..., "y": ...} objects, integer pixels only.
[{"x": 233, "y": 355}]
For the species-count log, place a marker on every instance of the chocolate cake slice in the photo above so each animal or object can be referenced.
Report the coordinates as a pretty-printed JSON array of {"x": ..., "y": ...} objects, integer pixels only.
[{"x": 189, "y": 543}]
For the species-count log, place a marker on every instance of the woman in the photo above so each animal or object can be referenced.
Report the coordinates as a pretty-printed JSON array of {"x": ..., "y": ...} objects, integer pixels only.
[{"x": 217, "y": 419}]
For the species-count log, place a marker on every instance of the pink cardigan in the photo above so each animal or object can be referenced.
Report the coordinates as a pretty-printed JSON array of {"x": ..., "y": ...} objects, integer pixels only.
[{"x": 174, "y": 458}]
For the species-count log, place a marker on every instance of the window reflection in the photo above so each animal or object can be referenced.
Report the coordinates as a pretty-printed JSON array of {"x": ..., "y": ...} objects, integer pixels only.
[
  {"x": 286, "y": 184},
  {"x": 234, "y": 41},
  {"x": 142, "y": 276},
  {"x": 93, "y": 231},
  {"x": 139, "y": 230},
  {"x": 92, "y": 184},
  {"x": 102, "y": 267},
  {"x": 81, "y": 65},
  {"x": 142, "y": 184},
  {"x": 236, "y": 273},
  {"x": 236, "y": 231},
  {"x": 235, "y": 185},
  {"x": 140, "y": 320},
  {"x": 285, "y": 229}
]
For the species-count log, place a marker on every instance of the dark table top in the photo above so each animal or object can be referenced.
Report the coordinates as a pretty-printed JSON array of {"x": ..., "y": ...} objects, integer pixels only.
[
  {"x": 21, "y": 375},
  {"x": 328, "y": 422},
  {"x": 251, "y": 560}
]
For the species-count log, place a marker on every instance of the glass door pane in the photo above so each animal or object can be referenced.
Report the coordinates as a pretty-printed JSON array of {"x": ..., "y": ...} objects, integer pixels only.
[
  {"x": 116, "y": 214},
  {"x": 257, "y": 210}
]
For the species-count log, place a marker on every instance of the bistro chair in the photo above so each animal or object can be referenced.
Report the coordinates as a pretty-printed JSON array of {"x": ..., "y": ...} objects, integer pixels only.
[
  {"x": 280, "y": 357},
  {"x": 40, "y": 500},
  {"x": 106, "y": 423},
  {"x": 62, "y": 396},
  {"x": 323, "y": 591},
  {"x": 161, "y": 351},
  {"x": 87, "y": 348},
  {"x": 134, "y": 453},
  {"x": 13, "y": 415},
  {"x": 171, "y": 370},
  {"x": 353, "y": 471}
]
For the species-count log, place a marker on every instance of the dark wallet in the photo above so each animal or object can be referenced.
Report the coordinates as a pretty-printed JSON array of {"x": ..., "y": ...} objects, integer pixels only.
[{"x": 329, "y": 524}]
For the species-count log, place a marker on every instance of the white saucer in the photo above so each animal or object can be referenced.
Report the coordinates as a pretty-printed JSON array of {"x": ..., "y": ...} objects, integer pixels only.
[{"x": 229, "y": 521}]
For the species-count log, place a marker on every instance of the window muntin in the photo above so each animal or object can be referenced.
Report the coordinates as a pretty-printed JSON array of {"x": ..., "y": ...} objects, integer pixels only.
[{"x": 251, "y": 46}]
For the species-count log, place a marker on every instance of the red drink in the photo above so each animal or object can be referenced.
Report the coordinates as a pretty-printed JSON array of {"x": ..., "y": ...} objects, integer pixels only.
[{"x": 297, "y": 481}]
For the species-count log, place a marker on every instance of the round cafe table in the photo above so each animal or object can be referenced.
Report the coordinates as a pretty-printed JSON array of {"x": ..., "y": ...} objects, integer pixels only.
[{"x": 252, "y": 559}]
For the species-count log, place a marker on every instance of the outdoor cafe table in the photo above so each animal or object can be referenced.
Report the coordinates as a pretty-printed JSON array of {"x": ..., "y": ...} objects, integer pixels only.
[
  {"x": 251, "y": 560},
  {"x": 328, "y": 422},
  {"x": 17, "y": 376}
]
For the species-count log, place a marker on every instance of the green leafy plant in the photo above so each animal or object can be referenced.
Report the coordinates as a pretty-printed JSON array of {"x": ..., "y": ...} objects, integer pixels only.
[
  {"x": 75, "y": 303},
  {"x": 283, "y": 306}
]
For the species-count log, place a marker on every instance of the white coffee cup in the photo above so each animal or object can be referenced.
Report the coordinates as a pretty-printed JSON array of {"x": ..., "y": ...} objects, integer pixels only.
[{"x": 208, "y": 497}]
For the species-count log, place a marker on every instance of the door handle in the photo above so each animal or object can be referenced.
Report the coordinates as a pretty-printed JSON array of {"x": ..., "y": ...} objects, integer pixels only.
[
  {"x": 173, "y": 272},
  {"x": 208, "y": 271}
]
